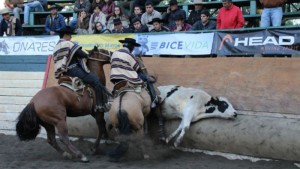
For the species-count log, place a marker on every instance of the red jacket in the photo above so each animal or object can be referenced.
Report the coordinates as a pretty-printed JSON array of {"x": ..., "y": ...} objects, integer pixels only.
[{"x": 230, "y": 18}]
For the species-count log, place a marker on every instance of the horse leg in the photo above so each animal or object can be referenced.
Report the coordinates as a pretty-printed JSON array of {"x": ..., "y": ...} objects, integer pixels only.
[
  {"x": 52, "y": 140},
  {"x": 175, "y": 132},
  {"x": 101, "y": 130},
  {"x": 63, "y": 135}
]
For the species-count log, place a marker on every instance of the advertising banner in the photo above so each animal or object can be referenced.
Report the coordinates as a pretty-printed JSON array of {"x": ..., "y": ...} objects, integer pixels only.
[
  {"x": 105, "y": 41},
  {"x": 23, "y": 45},
  {"x": 174, "y": 44},
  {"x": 279, "y": 42}
]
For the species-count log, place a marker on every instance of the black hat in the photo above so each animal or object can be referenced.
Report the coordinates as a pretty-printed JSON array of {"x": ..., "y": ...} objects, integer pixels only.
[
  {"x": 130, "y": 41},
  {"x": 136, "y": 19},
  {"x": 179, "y": 17},
  {"x": 173, "y": 2},
  {"x": 53, "y": 7},
  {"x": 117, "y": 21},
  {"x": 155, "y": 20},
  {"x": 66, "y": 30}
]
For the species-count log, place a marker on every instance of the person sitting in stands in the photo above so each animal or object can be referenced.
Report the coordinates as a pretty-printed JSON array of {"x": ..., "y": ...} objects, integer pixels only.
[
  {"x": 11, "y": 26},
  {"x": 194, "y": 15},
  {"x": 36, "y": 5},
  {"x": 204, "y": 23},
  {"x": 108, "y": 8},
  {"x": 172, "y": 11},
  {"x": 119, "y": 28},
  {"x": 83, "y": 23},
  {"x": 118, "y": 13},
  {"x": 54, "y": 22},
  {"x": 157, "y": 25},
  {"x": 138, "y": 27},
  {"x": 99, "y": 29},
  {"x": 15, "y": 7},
  {"x": 137, "y": 13},
  {"x": 149, "y": 15},
  {"x": 97, "y": 16},
  {"x": 180, "y": 24},
  {"x": 230, "y": 16}
]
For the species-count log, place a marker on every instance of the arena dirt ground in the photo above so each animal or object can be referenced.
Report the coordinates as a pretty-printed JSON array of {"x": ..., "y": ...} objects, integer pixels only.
[{"x": 38, "y": 154}]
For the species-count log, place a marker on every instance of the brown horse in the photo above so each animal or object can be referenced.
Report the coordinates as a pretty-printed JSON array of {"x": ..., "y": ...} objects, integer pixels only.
[
  {"x": 50, "y": 107},
  {"x": 127, "y": 116}
]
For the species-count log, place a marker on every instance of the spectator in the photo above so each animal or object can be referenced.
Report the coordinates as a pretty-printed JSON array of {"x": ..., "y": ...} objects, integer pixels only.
[
  {"x": 204, "y": 23},
  {"x": 272, "y": 12},
  {"x": 118, "y": 13},
  {"x": 119, "y": 28},
  {"x": 108, "y": 8},
  {"x": 180, "y": 25},
  {"x": 172, "y": 11},
  {"x": 149, "y": 15},
  {"x": 36, "y": 5},
  {"x": 138, "y": 27},
  {"x": 15, "y": 7},
  {"x": 194, "y": 15},
  {"x": 97, "y": 16},
  {"x": 11, "y": 26},
  {"x": 157, "y": 25},
  {"x": 55, "y": 22},
  {"x": 97, "y": 3},
  {"x": 99, "y": 29},
  {"x": 83, "y": 22},
  {"x": 82, "y": 4},
  {"x": 137, "y": 13},
  {"x": 142, "y": 3},
  {"x": 230, "y": 16}
]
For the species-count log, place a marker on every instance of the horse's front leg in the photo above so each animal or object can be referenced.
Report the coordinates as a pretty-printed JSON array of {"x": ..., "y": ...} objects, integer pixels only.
[{"x": 101, "y": 130}]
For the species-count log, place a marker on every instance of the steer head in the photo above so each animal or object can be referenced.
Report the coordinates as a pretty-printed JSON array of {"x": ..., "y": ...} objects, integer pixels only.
[{"x": 220, "y": 107}]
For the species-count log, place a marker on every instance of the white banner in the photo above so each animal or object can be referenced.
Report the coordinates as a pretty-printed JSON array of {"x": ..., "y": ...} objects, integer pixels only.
[
  {"x": 174, "y": 44},
  {"x": 23, "y": 45}
]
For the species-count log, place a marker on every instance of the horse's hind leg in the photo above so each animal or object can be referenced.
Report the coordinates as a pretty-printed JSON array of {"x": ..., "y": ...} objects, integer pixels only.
[
  {"x": 63, "y": 135},
  {"x": 101, "y": 130},
  {"x": 51, "y": 137}
]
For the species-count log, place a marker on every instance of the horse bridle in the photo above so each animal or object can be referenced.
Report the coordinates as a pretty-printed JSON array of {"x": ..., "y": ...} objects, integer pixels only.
[{"x": 100, "y": 60}]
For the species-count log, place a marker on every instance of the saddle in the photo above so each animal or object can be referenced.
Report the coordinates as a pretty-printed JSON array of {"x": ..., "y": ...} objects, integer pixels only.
[
  {"x": 73, "y": 83},
  {"x": 125, "y": 86}
]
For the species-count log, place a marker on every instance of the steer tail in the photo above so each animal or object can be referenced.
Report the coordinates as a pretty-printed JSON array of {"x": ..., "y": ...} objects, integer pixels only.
[
  {"x": 28, "y": 126},
  {"x": 124, "y": 124}
]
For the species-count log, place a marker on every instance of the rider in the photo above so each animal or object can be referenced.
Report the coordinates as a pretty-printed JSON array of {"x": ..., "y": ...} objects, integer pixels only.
[
  {"x": 125, "y": 66},
  {"x": 69, "y": 60}
]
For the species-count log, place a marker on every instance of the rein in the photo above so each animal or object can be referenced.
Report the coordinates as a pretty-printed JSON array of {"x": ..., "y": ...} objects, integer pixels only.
[{"x": 100, "y": 60}]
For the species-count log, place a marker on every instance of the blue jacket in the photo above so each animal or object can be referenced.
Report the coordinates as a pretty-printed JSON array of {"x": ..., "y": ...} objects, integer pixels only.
[{"x": 55, "y": 24}]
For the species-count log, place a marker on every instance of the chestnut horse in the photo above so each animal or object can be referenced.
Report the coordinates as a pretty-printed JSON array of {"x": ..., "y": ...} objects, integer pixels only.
[{"x": 50, "y": 107}]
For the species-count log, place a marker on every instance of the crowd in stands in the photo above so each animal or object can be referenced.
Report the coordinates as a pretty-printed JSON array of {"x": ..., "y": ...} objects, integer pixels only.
[{"x": 104, "y": 16}]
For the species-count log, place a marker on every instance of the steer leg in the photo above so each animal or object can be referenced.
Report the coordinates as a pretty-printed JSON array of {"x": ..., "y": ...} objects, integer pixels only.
[
  {"x": 175, "y": 132},
  {"x": 186, "y": 122}
]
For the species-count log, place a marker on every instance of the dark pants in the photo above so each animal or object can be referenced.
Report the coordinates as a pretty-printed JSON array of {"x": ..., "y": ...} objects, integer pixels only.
[{"x": 91, "y": 79}]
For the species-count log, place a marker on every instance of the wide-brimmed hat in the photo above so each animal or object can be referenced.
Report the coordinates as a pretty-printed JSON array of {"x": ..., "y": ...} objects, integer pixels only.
[
  {"x": 117, "y": 21},
  {"x": 196, "y": 2},
  {"x": 67, "y": 30},
  {"x": 155, "y": 20},
  {"x": 173, "y": 2},
  {"x": 4, "y": 11},
  {"x": 130, "y": 41},
  {"x": 179, "y": 17},
  {"x": 53, "y": 7}
]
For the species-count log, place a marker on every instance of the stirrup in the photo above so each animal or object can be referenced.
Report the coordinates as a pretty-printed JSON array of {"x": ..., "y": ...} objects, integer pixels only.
[
  {"x": 155, "y": 102},
  {"x": 103, "y": 108}
]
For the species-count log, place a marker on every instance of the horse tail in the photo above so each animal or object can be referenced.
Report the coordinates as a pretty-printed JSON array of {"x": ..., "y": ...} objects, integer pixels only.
[
  {"x": 124, "y": 124},
  {"x": 28, "y": 126}
]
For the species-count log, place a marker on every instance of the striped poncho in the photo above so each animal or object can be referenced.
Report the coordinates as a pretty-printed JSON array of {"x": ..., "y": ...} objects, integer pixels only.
[
  {"x": 124, "y": 66},
  {"x": 62, "y": 55}
]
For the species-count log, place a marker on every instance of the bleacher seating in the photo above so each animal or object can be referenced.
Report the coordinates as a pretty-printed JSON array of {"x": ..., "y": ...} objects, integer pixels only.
[{"x": 251, "y": 10}]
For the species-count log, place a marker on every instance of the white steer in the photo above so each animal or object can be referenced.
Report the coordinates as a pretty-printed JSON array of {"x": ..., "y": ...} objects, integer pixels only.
[{"x": 191, "y": 105}]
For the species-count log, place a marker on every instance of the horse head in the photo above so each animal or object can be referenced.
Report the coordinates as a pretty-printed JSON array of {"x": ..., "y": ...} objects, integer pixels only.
[
  {"x": 100, "y": 55},
  {"x": 221, "y": 107}
]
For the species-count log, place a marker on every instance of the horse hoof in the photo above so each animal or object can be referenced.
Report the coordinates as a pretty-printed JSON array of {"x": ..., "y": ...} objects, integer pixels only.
[
  {"x": 67, "y": 155},
  {"x": 84, "y": 159}
]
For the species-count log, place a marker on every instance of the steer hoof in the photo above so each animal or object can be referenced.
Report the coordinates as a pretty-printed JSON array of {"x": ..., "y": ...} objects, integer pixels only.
[
  {"x": 67, "y": 155},
  {"x": 84, "y": 159}
]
